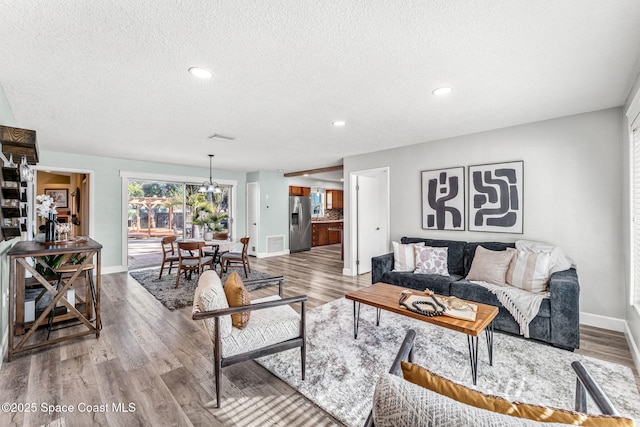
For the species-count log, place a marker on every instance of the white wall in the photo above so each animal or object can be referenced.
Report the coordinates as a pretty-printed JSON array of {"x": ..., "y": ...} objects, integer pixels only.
[
  {"x": 273, "y": 205},
  {"x": 572, "y": 195}
]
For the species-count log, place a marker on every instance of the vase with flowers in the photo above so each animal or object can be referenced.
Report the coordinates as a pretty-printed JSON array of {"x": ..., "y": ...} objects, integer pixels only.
[{"x": 46, "y": 209}]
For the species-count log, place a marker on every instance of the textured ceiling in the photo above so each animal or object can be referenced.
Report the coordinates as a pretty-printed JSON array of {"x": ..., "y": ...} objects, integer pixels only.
[{"x": 110, "y": 78}]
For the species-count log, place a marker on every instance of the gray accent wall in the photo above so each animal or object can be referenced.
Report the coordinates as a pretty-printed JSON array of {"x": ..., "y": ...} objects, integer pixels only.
[{"x": 572, "y": 193}]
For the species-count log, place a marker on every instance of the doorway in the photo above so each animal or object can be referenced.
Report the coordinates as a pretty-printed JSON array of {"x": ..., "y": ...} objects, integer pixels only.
[
  {"x": 71, "y": 192},
  {"x": 370, "y": 216}
]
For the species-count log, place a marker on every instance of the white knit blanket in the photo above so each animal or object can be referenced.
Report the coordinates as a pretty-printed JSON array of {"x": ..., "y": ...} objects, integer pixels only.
[{"x": 523, "y": 305}]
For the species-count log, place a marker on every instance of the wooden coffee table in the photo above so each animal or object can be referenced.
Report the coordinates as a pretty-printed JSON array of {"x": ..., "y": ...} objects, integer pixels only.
[{"x": 386, "y": 297}]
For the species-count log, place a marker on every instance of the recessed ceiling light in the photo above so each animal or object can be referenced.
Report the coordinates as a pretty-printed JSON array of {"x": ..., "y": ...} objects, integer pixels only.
[
  {"x": 200, "y": 72},
  {"x": 339, "y": 123},
  {"x": 306, "y": 174},
  {"x": 445, "y": 90}
]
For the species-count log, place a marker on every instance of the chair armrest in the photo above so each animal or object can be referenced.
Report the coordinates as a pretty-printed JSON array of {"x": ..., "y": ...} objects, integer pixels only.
[
  {"x": 380, "y": 265},
  {"x": 405, "y": 353},
  {"x": 199, "y": 315},
  {"x": 280, "y": 280},
  {"x": 586, "y": 385}
]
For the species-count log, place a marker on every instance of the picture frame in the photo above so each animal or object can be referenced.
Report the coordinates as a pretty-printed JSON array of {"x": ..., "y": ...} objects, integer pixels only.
[
  {"x": 496, "y": 197},
  {"x": 443, "y": 199},
  {"x": 59, "y": 195}
]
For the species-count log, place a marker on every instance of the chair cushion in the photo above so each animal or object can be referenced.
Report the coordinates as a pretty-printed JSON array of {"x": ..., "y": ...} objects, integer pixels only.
[
  {"x": 427, "y": 379},
  {"x": 397, "y": 402},
  {"x": 210, "y": 295},
  {"x": 231, "y": 255},
  {"x": 237, "y": 296},
  {"x": 267, "y": 326}
]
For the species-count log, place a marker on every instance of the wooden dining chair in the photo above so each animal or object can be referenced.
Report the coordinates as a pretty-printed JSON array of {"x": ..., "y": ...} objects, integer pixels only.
[
  {"x": 213, "y": 251},
  {"x": 169, "y": 254},
  {"x": 190, "y": 259},
  {"x": 236, "y": 258}
]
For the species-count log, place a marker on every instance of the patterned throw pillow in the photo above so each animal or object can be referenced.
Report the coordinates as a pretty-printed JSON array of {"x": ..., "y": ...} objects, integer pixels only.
[
  {"x": 530, "y": 271},
  {"x": 237, "y": 296},
  {"x": 430, "y": 260},
  {"x": 404, "y": 256},
  {"x": 209, "y": 296},
  {"x": 490, "y": 266}
]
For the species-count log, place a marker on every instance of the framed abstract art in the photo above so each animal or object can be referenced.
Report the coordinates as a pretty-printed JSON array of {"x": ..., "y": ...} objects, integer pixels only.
[
  {"x": 443, "y": 199},
  {"x": 495, "y": 197}
]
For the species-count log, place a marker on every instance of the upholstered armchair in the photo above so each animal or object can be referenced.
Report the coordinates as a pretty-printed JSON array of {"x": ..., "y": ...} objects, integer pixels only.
[
  {"x": 411, "y": 395},
  {"x": 273, "y": 325}
]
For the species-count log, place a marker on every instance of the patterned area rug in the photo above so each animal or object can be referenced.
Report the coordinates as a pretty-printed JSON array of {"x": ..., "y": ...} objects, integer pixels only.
[
  {"x": 173, "y": 298},
  {"x": 342, "y": 372}
]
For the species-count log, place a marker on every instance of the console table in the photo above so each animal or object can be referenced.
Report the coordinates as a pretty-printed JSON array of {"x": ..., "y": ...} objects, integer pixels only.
[{"x": 86, "y": 311}]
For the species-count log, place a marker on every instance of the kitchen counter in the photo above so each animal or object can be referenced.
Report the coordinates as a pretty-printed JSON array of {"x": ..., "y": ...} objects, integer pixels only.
[
  {"x": 327, "y": 220},
  {"x": 327, "y": 232}
]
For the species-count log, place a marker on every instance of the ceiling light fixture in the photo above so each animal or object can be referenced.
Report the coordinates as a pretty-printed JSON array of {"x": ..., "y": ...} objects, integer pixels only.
[
  {"x": 339, "y": 123},
  {"x": 210, "y": 186},
  {"x": 441, "y": 91},
  {"x": 201, "y": 73}
]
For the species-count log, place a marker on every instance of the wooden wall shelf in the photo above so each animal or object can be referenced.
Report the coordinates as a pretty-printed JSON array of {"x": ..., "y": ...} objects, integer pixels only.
[{"x": 19, "y": 142}]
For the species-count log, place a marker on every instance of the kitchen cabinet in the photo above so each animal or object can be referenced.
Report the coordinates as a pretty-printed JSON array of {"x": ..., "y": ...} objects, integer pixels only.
[
  {"x": 334, "y": 199},
  {"x": 322, "y": 235},
  {"x": 299, "y": 191}
]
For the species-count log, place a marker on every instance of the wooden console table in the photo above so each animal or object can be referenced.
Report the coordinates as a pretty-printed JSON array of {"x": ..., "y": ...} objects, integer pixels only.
[{"x": 67, "y": 275}]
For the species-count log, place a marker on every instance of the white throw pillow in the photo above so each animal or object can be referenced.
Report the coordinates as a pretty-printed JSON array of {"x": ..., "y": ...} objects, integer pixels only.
[
  {"x": 404, "y": 256},
  {"x": 430, "y": 260},
  {"x": 490, "y": 266},
  {"x": 530, "y": 271}
]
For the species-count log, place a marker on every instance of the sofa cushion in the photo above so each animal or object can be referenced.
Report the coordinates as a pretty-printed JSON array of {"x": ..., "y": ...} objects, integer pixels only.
[
  {"x": 430, "y": 260},
  {"x": 469, "y": 251},
  {"x": 490, "y": 266},
  {"x": 473, "y": 292},
  {"x": 455, "y": 251},
  {"x": 404, "y": 256},
  {"x": 437, "y": 283}
]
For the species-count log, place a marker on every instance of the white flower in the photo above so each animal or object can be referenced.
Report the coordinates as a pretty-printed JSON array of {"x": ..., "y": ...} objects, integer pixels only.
[{"x": 47, "y": 206}]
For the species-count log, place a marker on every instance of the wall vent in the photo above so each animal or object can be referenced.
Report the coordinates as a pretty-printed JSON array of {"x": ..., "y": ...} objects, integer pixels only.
[{"x": 275, "y": 243}]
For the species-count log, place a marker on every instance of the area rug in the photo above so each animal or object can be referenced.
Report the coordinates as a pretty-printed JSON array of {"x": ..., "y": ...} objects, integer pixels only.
[
  {"x": 342, "y": 371},
  {"x": 173, "y": 298}
]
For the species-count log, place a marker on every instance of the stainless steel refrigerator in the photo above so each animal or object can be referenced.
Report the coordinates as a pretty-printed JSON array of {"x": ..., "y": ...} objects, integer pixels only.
[{"x": 299, "y": 223}]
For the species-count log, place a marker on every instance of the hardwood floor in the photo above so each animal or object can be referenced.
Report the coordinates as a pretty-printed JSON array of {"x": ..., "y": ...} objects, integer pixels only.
[{"x": 160, "y": 361}]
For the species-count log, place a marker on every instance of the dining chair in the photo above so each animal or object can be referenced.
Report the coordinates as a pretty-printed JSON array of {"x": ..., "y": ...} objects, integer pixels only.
[
  {"x": 213, "y": 251},
  {"x": 236, "y": 258},
  {"x": 190, "y": 259},
  {"x": 169, "y": 254}
]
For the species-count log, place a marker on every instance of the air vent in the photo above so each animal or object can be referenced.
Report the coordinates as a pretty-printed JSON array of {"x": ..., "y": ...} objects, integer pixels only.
[
  {"x": 220, "y": 136},
  {"x": 275, "y": 244}
]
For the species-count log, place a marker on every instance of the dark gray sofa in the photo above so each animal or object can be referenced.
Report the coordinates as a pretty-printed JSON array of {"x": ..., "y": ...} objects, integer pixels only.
[{"x": 557, "y": 322}]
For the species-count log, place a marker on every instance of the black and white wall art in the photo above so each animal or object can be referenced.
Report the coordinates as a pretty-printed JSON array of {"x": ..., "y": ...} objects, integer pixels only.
[
  {"x": 443, "y": 199},
  {"x": 495, "y": 197}
]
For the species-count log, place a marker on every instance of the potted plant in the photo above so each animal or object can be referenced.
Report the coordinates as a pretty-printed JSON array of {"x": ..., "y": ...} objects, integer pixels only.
[{"x": 202, "y": 218}]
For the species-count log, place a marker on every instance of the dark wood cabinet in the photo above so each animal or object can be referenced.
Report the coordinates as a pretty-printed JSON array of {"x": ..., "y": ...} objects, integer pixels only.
[
  {"x": 335, "y": 199},
  {"x": 325, "y": 233},
  {"x": 299, "y": 191}
]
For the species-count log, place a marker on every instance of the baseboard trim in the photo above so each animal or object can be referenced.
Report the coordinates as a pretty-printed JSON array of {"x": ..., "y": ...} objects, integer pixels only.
[
  {"x": 347, "y": 272},
  {"x": 114, "y": 269},
  {"x": 604, "y": 322},
  {"x": 271, "y": 254},
  {"x": 633, "y": 346}
]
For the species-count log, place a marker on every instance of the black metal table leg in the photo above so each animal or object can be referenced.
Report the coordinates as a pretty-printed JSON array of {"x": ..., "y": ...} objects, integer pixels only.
[
  {"x": 473, "y": 356},
  {"x": 489, "y": 334},
  {"x": 378, "y": 311},
  {"x": 356, "y": 318}
]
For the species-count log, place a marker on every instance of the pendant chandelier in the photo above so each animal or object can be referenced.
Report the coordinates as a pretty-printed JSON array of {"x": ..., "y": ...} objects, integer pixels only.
[{"x": 210, "y": 186}]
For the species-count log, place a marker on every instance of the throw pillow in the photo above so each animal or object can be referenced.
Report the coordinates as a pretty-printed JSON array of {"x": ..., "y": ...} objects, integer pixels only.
[
  {"x": 404, "y": 256},
  {"x": 490, "y": 266},
  {"x": 430, "y": 260},
  {"x": 427, "y": 379},
  {"x": 209, "y": 295},
  {"x": 530, "y": 271},
  {"x": 237, "y": 296}
]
